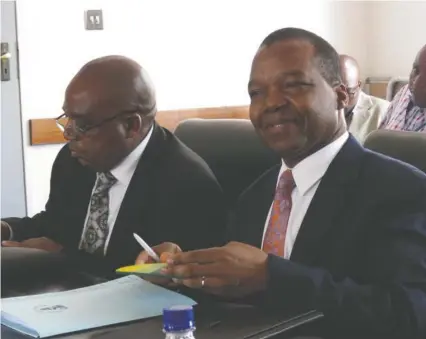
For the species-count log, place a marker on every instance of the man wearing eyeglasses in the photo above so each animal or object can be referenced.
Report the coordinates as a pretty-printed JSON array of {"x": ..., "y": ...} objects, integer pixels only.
[
  {"x": 120, "y": 173},
  {"x": 364, "y": 112}
]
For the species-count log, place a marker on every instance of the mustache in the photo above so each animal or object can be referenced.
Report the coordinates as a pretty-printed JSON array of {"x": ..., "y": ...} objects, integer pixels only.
[
  {"x": 276, "y": 109},
  {"x": 287, "y": 112}
]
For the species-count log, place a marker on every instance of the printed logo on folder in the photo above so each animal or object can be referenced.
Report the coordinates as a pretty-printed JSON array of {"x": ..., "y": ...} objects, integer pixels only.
[{"x": 47, "y": 308}]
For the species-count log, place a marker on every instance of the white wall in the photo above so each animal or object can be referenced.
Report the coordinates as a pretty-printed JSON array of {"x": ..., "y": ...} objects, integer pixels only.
[
  {"x": 384, "y": 36},
  {"x": 349, "y": 34},
  {"x": 197, "y": 52},
  {"x": 398, "y": 32}
]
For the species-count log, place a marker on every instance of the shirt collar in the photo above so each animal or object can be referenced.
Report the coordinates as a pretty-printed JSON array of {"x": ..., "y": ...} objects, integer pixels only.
[
  {"x": 123, "y": 172},
  {"x": 311, "y": 169}
]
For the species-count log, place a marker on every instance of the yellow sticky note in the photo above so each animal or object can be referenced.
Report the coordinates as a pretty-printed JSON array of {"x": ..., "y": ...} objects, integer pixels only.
[{"x": 141, "y": 269}]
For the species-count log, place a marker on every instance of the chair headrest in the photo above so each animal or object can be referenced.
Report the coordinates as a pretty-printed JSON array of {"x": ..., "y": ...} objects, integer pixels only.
[
  {"x": 409, "y": 147},
  {"x": 221, "y": 138},
  {"x": 232, "y": 149},
  {"x": 394, "y": 85}
]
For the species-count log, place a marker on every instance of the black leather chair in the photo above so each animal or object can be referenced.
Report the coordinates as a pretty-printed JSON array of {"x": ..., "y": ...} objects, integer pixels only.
[
  {"x": 231, "y": 148},
  {"x": 409, "y": 147}
]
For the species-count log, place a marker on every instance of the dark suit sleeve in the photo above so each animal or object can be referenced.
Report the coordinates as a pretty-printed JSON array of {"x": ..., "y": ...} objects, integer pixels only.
[
  {"x": 206, "y": 220},
  {"x": 191, "y": 215},
  {"x": 391, "y": 303},
  {"x": 41, "y": 224},
  {"x": 199, "y": 215}
]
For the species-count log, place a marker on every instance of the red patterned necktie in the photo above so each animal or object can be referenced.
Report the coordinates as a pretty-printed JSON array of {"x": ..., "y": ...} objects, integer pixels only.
[{"x": 274, "y": 240}]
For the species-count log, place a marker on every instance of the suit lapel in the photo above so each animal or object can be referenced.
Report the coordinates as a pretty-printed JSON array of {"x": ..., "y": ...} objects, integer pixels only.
[
  {"x": 360, "y": 114},
  {"x": 330, "y": 199},
  {"x": 79, "y": 181},
  {"x": 139, "y": 193},
  {"x": 262, "y": 201}
]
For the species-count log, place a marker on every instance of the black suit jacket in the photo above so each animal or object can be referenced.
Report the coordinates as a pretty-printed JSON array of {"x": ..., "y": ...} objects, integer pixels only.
[
  {"x": 360, "y": 255},
  {"x": 173, "y": 196}
]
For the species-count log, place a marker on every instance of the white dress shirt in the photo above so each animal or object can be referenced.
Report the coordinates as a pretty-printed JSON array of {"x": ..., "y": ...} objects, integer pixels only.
[
  {"x": 123, "y": 172},
  {"x": 307, "y": 175}
]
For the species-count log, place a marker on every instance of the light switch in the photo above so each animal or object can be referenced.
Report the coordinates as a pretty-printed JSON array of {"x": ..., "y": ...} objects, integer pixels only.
[{"x": 94, "y": 19}]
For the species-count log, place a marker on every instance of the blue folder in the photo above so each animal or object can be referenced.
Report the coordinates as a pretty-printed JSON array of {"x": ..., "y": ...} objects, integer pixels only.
[{"x": 125, "y": 299}]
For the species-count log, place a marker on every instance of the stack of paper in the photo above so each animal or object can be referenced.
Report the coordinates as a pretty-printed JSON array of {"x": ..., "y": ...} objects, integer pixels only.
[{"x": 117, "y": 301}]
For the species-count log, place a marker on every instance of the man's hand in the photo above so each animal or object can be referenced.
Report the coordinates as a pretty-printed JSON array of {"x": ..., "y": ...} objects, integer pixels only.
[
  {"x": 38, "y": 243},
  {"x": 234, "y": 270},
  {"x": 164, "y": 251}
]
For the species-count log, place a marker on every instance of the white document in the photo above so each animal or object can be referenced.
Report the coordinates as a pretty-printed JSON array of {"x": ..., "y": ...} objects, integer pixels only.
[{"x": 113, "y": 302}]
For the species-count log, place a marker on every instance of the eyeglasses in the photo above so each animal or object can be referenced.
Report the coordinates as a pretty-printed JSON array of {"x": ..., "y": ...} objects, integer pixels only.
[
  {"x": 352, "y": 91},
  {"x": 66, "y": 123}
]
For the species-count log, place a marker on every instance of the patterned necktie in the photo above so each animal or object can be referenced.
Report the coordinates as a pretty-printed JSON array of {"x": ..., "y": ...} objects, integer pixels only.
[
  {"x": 97, "y": 222},
  {"x": 274, "y": 240}
]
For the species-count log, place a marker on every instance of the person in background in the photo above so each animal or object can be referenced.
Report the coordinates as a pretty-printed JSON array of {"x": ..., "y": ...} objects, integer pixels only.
[
  {"x": 120, "y": 173},
  {"x": 335, "y": 228},
  {"x": 364, "y": 112},
  {"x": 407, "y": 111}
]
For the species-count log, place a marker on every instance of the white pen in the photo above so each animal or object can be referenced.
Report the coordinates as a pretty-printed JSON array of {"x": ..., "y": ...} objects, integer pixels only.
[{"x": 146, "y": 247}]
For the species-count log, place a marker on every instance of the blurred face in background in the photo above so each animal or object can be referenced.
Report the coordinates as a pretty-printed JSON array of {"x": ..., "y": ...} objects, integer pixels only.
[{"x": 417, "y": 82}]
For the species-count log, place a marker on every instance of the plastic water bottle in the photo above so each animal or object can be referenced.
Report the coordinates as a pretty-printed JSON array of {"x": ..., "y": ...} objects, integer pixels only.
[{"x": 178, "y": 322}]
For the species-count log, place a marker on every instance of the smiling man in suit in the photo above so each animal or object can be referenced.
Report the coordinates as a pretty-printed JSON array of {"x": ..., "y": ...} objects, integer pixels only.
[
  {"x": 363, "y": 112},
  {"x": 335, "y": 227},
  {"x": 120, "y": 173}
]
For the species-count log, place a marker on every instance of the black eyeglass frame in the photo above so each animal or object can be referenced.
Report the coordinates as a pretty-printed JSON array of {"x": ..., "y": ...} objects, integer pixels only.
[{"x": 83, "y": 130}]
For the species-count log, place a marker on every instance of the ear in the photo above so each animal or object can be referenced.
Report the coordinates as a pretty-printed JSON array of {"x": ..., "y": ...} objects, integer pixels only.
[
  {"x": 133, "y": 125},
  {"x": 342, "y": 96}
]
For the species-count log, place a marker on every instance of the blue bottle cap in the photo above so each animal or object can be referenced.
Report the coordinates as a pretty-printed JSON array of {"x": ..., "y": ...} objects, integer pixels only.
[{"x": 178, "y": 318}]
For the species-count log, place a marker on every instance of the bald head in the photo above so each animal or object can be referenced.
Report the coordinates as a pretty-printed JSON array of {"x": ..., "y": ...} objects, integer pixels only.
[
  {"x": 351, "y": 79},
  {"x": 111, "y": 106},
  {"x": 115, "y": 81},
  {"x": 350, "y": 71}
]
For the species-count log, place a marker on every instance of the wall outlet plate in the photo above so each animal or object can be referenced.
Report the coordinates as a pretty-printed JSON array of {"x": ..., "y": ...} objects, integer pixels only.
[{"x": 93, "y": 19}]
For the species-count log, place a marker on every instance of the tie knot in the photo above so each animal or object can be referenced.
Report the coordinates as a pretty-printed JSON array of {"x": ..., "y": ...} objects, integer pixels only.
[
  {"x": 105, "y": 181},
  {"x": 286, "y": 181}
]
